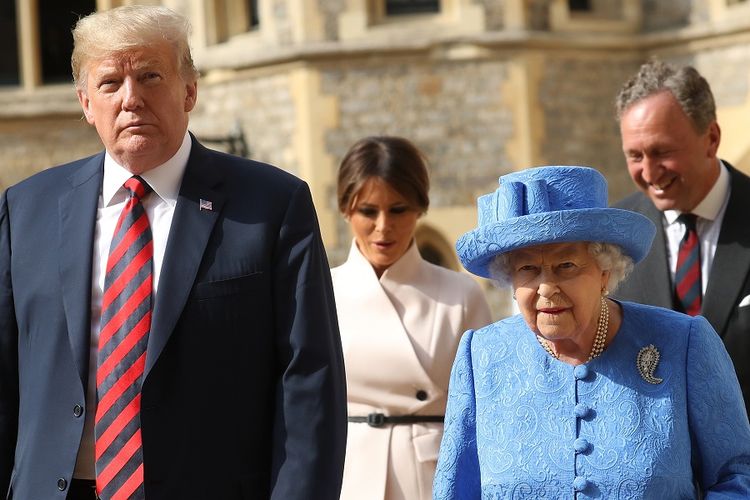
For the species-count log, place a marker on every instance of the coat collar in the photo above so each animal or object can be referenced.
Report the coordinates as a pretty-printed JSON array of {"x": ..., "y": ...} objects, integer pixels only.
[
  {"x": 369, "y": 321},
  {"x": 77, "y": 215},
  {"x": 401, "y": 271},
  {"x": 188, "y": 237},
  {"x": 732, "y": 259}
]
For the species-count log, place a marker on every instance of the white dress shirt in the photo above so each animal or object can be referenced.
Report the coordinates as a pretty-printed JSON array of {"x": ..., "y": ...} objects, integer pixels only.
[
  {"x": 710, "y": 212},
  {"x": 165, "y": 180}
]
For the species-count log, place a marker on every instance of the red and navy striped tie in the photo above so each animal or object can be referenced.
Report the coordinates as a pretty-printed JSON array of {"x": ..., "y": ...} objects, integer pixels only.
[
  {"x": 687, "y": 280},
  {"x": 125, "y": 325}
]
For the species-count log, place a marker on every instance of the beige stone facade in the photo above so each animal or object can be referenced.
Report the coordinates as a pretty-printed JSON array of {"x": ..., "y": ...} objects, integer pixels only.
[{"x": 484, "y": 87}]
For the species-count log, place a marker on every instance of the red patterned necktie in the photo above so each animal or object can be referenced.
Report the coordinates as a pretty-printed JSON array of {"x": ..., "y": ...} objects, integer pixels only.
[
  {"x": 688, "y": 274},
  {"x": 125, "y": 325}
]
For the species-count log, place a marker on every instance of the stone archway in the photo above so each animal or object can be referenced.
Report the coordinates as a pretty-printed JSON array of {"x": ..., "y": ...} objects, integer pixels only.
[{"x": 435, "y": 248}]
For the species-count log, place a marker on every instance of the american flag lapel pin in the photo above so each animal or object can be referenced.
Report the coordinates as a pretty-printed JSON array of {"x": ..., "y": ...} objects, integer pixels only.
[{"x": 206, "y": 205}]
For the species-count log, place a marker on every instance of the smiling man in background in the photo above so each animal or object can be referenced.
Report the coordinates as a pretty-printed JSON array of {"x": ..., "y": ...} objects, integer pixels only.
[{"x": 700, "y": 260}]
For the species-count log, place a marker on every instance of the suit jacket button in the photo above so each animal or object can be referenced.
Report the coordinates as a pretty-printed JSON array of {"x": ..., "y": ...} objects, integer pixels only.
[
  {"x": 77, "y": 410},
  {"x": 62, "y": 484},
  {"x": 421, "y": 395}
]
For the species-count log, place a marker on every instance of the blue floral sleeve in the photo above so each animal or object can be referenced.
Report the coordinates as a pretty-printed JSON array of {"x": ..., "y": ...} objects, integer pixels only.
[
  {"x": 457, "y": 476},
  {"x": 719, "y": 427}
]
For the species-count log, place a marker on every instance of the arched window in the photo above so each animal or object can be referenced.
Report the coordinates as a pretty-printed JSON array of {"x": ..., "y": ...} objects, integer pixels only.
[{"x": 434, "y": 248}]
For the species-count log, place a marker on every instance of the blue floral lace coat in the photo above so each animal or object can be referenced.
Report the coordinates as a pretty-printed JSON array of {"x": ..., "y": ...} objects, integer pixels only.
[{"x": 521, "y": 424}]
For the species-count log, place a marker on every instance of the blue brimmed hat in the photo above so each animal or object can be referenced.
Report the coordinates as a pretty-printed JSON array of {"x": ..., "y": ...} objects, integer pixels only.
[{"x": 550, "y": 205}]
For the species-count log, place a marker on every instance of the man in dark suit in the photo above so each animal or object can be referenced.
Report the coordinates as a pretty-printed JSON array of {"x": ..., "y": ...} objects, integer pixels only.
[
  {"x": 670, "y": 138},
  {"x": 167, "y": 322}
]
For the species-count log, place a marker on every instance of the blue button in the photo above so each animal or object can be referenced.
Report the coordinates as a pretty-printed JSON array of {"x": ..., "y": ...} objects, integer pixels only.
[
  {"x": 580, "y": 372},
  {"x": 581, "y": 410},
  {"x": 581, "y": 445},
  {"x": 580, "y": 483}
]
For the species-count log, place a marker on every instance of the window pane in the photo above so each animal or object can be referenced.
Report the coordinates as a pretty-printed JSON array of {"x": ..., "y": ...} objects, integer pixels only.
[
  {"x": 579, "y": 5},
  {"x": 56, "y": 20},
  {"x": 252, "y": 13},
  {"x": 398, "y": 7},
  {"x": 8, "y": 43}
]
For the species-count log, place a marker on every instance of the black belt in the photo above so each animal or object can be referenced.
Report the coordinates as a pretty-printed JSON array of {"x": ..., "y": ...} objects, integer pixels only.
[
  {"x": 379, "y": 420},
  {"x": 82, "y": 489}
]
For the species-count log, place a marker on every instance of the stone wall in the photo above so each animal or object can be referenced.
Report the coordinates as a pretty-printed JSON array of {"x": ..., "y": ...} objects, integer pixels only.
[
  {"x": 30, "y": 145},
  {"x": 493, "y": 13},
  {"x": 260, "y": 104},
  {"x": 537, "y": 12},
  {"x": 727, "y": 70},
  {"x": 282, "y": 21},
  {"x": 579, "y": 123},
  {"x": 659, "y": 15},
  {"x": 454, "y": 111},
  {"x": 607, "y": 9},
  {"x": 330, "y": 9}
]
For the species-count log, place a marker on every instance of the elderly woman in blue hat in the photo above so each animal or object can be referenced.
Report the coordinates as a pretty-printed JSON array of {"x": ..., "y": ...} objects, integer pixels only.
[{"x": 582, "y": 396}]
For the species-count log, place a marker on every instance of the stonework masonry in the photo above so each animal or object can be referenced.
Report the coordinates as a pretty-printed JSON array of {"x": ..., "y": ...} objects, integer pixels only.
[
  {"x": 428, "y": 103},
  {"x": 258, "y": 103}
]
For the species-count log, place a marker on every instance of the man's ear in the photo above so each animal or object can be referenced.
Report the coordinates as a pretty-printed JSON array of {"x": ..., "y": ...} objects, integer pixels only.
[
  {"x": 714, "y": 138},
  {"x": 83, "y": 98},
  {"x": 191, "y": 95}
]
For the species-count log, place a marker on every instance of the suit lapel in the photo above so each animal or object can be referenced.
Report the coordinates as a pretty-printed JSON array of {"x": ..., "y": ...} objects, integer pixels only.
[
  {"x": 77, "y": 213},
  {"x": 188, "y": 237},
  {"x": 370, "y": 334},
  {"x": 656, "y": 282},
  {"x": 732, "y": 260}
]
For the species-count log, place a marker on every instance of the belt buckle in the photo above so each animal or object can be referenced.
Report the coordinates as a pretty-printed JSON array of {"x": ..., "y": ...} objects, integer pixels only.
[{"x": 376, "y": 420}]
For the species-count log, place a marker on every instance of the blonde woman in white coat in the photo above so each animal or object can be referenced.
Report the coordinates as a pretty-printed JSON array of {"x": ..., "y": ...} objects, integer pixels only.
[{"x": 401, "y": 319}]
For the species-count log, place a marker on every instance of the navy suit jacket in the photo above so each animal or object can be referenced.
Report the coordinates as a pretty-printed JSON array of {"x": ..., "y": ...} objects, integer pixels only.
[
  {"x": 728, "y": 282},
  {"x": 243, "y": 394}
]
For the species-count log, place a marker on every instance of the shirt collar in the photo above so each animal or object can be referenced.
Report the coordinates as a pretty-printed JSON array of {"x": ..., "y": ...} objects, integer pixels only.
[
  {"x": 711, "y": 205},
  {"x": 405, "y": 266},
  {"x": 165, "y": 179}
]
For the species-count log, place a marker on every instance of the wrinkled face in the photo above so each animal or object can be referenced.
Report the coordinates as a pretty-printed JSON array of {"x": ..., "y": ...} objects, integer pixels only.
[
  {"x": 558, "y": 288},
  {"x": 383, "y": 223},
  {"x": 667, "y": 159},
  {"x": 139, "y": 104}
]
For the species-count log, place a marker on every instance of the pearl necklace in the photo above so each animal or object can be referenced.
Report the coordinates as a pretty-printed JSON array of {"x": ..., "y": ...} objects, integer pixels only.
[{"x": 600, "y": 338}]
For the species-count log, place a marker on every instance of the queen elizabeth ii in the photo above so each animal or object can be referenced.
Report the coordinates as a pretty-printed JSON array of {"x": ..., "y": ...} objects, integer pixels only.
[{"x": 582, "y": 396}]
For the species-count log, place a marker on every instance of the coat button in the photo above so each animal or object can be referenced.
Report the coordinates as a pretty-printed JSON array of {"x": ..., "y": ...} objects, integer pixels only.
[
  {"x": 580, "y": 483},
  {"x": 77, "y": 410},
  {"x": 580, "y": 372},
  {"x": 421, "y": 395},
  {"x": 581, "y": 410},
  {"x": 581, "y": 445},
  {"x": 62, "y": 484}
]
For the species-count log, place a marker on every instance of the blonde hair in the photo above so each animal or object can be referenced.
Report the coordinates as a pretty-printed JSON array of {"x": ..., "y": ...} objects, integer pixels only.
[{"x": 124, "y": 28}]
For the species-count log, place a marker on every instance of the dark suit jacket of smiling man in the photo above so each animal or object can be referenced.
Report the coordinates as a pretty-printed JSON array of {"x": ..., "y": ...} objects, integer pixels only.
[{"x": 243, "y": 393}]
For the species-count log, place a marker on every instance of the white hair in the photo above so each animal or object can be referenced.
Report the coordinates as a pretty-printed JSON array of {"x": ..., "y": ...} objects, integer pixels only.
[{"x": 609, "y": 257}]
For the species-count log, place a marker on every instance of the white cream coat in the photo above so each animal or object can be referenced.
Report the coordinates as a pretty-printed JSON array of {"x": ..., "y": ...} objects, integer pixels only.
[{"x": 400, "y": 334}]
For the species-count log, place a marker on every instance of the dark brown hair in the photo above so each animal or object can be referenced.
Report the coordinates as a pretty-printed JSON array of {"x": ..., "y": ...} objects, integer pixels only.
[{"x": 395, "y": 160}]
